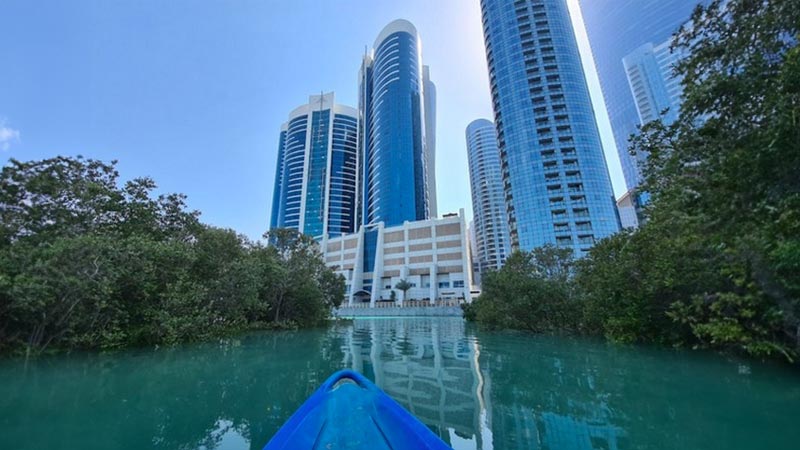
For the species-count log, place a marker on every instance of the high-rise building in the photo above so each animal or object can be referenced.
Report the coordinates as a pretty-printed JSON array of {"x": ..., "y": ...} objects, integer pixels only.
[
  {"x": 654, "y": 85},
  {"x": 316, "y": 177},
  {"x": 557, "y": 186},
  {"x": 392, "y": 105},
  {"x": 276, "y": 189},
  {"x": 488, "y": 200},
  {"x": 616, "y": 28},
  {"x": 429, "y": 93}
]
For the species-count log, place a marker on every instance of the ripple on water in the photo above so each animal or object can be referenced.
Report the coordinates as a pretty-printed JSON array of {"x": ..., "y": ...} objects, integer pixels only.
[{"x": 476, "y": 389}]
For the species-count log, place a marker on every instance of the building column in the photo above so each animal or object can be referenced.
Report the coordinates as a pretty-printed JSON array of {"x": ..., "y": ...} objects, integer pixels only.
[
  {"x": 357, "y": 283},
  {"x": 466, "y": 260},
  {"x": 377, "y": 271},
  {"x": 434, "y": 283},
  {"x": 434, "y": 265}
]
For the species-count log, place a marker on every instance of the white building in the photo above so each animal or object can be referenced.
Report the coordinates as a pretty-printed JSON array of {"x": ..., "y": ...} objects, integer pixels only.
[
  {"x": 433, "y": 255},
  {"x": 626, "y": 205}
]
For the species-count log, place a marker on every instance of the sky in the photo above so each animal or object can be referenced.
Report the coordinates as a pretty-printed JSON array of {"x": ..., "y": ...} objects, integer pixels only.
[{"x": 192, "y": 93}]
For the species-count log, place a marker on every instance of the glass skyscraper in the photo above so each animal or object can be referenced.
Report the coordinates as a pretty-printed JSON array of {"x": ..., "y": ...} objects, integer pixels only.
[
  {"x": 654, "y": 85},
  {"x": 617, "y": 28},
  {"x": 429, "y": 93},
  {"x": 556, "y": 182},
  {"x": 392, "y": 110},
  {"x": 492, "y": 241},
  {"x": 276, "y": 189},
  {"x": 316, "y": 176}
]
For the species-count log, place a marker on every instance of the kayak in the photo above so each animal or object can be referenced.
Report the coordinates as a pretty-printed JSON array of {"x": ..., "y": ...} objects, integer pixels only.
[{"x": 349, "y": 412}]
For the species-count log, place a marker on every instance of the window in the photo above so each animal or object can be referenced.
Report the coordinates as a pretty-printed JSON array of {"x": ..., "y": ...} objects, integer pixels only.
[
  {"x": 458, "y": 284},
  {"x": 444, "y": 284}
]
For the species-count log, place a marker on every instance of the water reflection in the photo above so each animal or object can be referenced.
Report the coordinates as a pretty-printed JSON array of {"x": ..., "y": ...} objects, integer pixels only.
[
  {"x": 477, "y": 390},
  {"x": 429, "y": 366},
  {"x": 433, "y": 368}
]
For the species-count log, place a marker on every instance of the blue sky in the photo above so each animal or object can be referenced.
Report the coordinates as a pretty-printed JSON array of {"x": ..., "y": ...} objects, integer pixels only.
[{"x": 192, "y": 93}]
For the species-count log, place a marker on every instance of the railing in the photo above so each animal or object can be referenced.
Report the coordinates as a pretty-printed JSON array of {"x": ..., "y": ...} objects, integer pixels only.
[{"x": 406, "y": 304}]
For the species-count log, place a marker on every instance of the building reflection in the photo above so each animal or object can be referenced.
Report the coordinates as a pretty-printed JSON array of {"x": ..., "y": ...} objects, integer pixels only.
[{"x": 433, "y": 368}]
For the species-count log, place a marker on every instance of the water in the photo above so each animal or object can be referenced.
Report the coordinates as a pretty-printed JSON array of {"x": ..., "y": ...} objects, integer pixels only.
[{"x": 476, "y": 389}]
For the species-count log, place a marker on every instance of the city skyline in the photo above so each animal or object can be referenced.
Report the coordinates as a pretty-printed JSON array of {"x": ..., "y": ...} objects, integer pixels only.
[{"x": 203, "y": 119}]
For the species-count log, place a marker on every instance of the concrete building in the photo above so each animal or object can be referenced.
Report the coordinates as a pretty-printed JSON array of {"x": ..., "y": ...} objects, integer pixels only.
[
  {"x": 316, "y": 177},
  {"x": 433, "y": 255},
  {"x": 488, "y": 200},
  {"x": 557, "y": 186},
  {"x": 627, "y": 207}
]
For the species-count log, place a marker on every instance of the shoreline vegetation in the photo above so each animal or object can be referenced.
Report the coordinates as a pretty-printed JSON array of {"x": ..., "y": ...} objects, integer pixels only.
[
  {"x": 87, "y": 264},
  {"x": 717, "y": 263}
]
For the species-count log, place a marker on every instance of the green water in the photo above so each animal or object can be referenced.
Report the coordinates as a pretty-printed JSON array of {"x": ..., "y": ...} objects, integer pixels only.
[{"x": 475, "y": 389}]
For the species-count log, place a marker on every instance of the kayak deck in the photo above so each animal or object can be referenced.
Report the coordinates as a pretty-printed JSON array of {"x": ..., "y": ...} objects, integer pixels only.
[{"x": 350, "y": 412}]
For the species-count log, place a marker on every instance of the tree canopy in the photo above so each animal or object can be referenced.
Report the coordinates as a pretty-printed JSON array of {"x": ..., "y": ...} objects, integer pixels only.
[{"x": 89, "y": 262}]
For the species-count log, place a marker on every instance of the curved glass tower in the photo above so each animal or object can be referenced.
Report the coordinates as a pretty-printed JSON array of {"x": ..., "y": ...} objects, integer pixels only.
[
  {"x": 391, "y": 105},
  {"x": 316, "y": 176},
  {"x": 276, "y": 189},
  {"x": 556, "y": 181},
  {"x": 488, "y": 202}
]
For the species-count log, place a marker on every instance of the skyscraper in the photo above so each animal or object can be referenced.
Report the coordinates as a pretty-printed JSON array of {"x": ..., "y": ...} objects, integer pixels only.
[
  {"x": 429, "y": 93},
  {"x": 276, "y": 189},
  {"x": 556, "y": 181},
  {"x": 654, "y": 85},
  {"x": 615, "y": 29},
  {"x": 316, "y": 177},
  {"x": 392, "y": 105},
  {"x": 488, "y": 201}
]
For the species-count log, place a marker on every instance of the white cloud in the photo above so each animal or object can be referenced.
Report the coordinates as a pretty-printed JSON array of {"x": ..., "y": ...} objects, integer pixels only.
[{"x": 7, "y": 136}]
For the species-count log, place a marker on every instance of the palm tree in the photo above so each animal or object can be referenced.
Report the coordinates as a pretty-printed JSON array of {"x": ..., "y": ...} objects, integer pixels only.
[{"x": 404, "y": 285}]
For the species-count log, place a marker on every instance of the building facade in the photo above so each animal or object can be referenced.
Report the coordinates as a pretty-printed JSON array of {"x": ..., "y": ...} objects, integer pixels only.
[
  {"x": 556, "y": 182},
  {"x": 616, "y": 28},
  {"x": 429, "y": 94},
  {"x": 392, "y": 111},
  {"x": 316, "y": 176},
  {"x": 488, "y": 201},
  {"x": 628, "y": 208},
  {"x": 473, "y": 250},
  {"x": 654, "y": 86},
  {"x": 276, "y": 189},
  {"x": 433, "y": 255}
]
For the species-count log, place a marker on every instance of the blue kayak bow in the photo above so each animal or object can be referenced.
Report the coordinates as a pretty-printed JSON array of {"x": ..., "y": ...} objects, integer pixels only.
[{"x": 350, "y": 412}]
